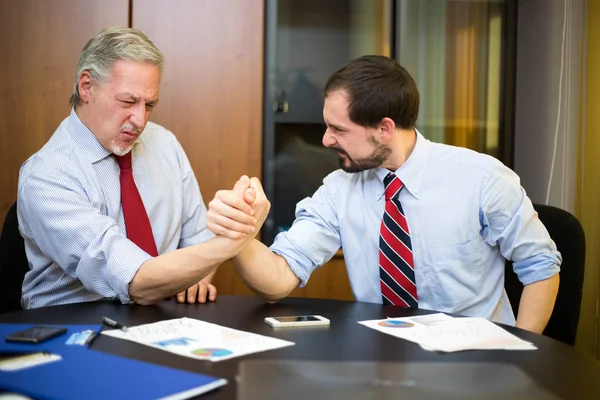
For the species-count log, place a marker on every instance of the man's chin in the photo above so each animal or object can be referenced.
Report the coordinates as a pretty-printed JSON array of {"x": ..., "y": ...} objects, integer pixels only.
[
  {"x": 121, "y": 150},
  {"x": 349, "y": 168}
]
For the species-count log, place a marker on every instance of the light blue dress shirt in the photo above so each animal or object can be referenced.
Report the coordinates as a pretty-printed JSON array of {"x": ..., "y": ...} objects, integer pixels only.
[
  {"x": 69, "y": 210},
  {"x": 466, "y": 213}
]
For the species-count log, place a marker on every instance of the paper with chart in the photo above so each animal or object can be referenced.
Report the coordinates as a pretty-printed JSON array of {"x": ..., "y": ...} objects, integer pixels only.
[
  {"x": 198, "y": 339},
  {"x": 440, "y": 332}
]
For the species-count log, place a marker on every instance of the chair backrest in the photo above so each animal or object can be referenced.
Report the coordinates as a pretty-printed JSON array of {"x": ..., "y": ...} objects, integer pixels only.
[
  {"x": 566, "y": 231},
  {"x": 13, "y": 263}
]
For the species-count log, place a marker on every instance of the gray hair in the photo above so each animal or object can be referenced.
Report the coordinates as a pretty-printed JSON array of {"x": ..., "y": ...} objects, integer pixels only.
[{"x": 109, "y": 46}]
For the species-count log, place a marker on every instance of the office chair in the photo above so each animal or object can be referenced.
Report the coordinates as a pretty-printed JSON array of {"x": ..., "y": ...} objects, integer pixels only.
[
  {"x": 13, "y": 263},
  {"x": 566, "y": 231}
]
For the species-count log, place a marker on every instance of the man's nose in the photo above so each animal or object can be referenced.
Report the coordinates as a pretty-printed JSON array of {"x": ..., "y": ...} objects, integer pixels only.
[
  {"x": 328, "y": 139},
  {"x": 138, "y": 116}
]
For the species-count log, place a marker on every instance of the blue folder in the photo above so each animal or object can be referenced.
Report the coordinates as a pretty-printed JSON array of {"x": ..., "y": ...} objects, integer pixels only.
[{"x": 87, "y": 374}]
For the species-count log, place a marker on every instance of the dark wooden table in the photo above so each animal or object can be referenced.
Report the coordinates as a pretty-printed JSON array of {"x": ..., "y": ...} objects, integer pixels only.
[{"x": 556, "y": 366}]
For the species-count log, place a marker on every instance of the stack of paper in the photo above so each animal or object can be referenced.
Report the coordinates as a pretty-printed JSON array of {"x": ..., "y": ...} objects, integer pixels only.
[
  {"x": 440, "y": 332},
  {"x": 198, "y": 339}
]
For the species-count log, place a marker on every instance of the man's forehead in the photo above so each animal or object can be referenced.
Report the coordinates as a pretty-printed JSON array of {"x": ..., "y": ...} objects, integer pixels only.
[
  {"x": 335, "y": 107},
  {"x": 133, "y": 96}
]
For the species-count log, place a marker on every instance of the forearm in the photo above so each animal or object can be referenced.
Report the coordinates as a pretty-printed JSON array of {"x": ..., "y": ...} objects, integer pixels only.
[
  {"x": 536, "y": 304},
  {"x": 173, "y": 272},
  {"x": 266, "y": 273}
]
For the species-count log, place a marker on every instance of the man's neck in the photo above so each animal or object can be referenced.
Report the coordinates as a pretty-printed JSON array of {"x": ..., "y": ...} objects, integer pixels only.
[
  {"x": 86, "y": 120},
  {"x": 402, "y": 147}
]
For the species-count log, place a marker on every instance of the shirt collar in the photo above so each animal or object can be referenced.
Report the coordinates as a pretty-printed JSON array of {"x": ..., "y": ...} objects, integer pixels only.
[
  {"x": 85, "y": 139},
  {"x": 411, "y": 172}
]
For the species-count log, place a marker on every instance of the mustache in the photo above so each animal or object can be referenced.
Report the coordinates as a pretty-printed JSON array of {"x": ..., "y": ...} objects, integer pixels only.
[
  {"x": 340, "y": 150},
  {"x": 133, "y": 128}
]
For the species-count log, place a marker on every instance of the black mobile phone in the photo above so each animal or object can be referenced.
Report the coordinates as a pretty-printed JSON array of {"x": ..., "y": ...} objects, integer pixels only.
[{"x": 36, "y": 334}]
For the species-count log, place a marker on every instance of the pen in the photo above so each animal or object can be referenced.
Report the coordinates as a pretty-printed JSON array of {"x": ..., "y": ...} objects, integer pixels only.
[
  {"x": 114, "y": 324},
  {"x": 91, "y": 339}
]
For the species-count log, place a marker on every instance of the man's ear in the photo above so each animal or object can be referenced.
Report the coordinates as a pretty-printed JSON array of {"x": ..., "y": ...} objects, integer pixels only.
[
  {"x": 386, "y": 129},
  {"x": 84, "y": 84}
]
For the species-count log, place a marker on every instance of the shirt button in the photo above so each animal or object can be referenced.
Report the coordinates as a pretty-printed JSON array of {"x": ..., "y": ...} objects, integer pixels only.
[{"x": 416, "y": 190}]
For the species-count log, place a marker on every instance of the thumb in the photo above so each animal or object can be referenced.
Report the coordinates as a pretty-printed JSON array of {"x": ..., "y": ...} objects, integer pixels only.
[
  {"x": 241, "y": 185},
  {"x": 249, "y": 195},
  {"x": 254, "y": 183}
]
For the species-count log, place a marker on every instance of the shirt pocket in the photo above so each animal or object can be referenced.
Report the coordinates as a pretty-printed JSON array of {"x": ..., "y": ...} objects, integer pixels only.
[{"x": 456, "y": 274}]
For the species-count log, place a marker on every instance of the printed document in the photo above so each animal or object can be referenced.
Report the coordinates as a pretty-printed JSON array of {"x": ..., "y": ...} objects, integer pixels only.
[
  {"x": 440, "y": 332},
  {"x": 198, "y": 339}
]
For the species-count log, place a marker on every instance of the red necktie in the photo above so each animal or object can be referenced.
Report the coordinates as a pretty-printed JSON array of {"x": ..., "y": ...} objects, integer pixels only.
[
  {"x": 396, "y": 265},
  {"x": 137, "y": 223}
]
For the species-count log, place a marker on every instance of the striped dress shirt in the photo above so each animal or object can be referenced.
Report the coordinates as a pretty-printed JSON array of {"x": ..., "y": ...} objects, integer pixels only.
[{"x": 70, "y": 215}]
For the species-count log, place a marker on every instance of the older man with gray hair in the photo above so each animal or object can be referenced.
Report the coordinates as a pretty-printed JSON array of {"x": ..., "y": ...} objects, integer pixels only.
[{"x": 110, "y": 208}]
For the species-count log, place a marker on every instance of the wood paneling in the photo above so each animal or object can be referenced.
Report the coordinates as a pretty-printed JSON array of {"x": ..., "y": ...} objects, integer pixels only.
[
  {"x": 328, "y": 282},
  {"x": 40, "y": 46},
  {"x": 211, "y": 92}
]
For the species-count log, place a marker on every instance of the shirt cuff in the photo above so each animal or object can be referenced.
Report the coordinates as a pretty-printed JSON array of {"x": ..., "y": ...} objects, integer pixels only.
[
  {"x": 285, "y": 249},
  {"x": 125, "y": 260},
  {"x": 534, "y": 273}
]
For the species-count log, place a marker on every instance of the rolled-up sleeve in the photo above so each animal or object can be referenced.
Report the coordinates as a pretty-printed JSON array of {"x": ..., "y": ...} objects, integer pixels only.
[
  {"x": 510, "y": 221},
  {"x": 314, "y": 236},
  {"x": 58, "y": 218}
]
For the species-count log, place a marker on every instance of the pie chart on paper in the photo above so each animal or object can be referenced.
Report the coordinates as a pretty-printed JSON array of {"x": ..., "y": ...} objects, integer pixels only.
[
  {"x": 392, "y": 323},
  {"x": 211, "y": 352}
]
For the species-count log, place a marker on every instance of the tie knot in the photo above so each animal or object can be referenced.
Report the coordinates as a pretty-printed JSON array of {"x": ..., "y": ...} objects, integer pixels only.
[
  {"x": 393, "y": 185},
  {"x": 124, "y": 161}
]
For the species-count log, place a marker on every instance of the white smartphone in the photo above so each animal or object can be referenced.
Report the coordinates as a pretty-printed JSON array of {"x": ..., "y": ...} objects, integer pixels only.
[{"x": 303, "y": 320}]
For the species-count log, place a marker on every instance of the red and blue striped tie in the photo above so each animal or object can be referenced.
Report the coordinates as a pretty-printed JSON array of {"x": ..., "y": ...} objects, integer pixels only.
[{"x": 396, "y": 265}]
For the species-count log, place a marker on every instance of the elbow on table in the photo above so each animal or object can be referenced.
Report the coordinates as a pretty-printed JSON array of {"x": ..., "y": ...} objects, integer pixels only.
[
  {"x": 144, "y": 301},
  {"x": 144, "y": 297},
  {"x": 273, "y": 297}
]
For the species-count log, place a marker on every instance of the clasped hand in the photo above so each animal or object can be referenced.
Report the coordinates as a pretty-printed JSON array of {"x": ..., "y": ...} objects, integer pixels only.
[{"x": 238, "y": 213}]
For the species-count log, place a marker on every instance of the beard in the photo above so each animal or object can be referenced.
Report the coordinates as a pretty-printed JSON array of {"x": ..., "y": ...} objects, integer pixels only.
[
  {"x": 377, "y": 157},
  {"x": 121, "y": 150}
]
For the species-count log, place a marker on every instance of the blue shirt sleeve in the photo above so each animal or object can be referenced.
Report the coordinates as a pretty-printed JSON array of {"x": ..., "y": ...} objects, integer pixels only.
[
  {"x": 314, "y": 236},
  {"x": 57, "y": 217},
  {"x": 509, "y": 220}
]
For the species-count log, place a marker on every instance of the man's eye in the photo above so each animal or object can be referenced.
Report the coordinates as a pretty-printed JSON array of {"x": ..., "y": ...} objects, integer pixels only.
[{"x": 127, "y": 101}]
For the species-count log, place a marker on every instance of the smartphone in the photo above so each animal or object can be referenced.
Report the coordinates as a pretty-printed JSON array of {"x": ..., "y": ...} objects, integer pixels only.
[
  {"x": 36, "y": 334},
  {"x": 305, "y": 320}
]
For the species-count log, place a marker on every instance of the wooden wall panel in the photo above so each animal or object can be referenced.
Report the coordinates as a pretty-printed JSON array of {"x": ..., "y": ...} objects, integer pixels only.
[
  {"x": 211, "y": 93},
  {"x": 40, "y": 46},
  {"x": 328, "y": 282}
]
